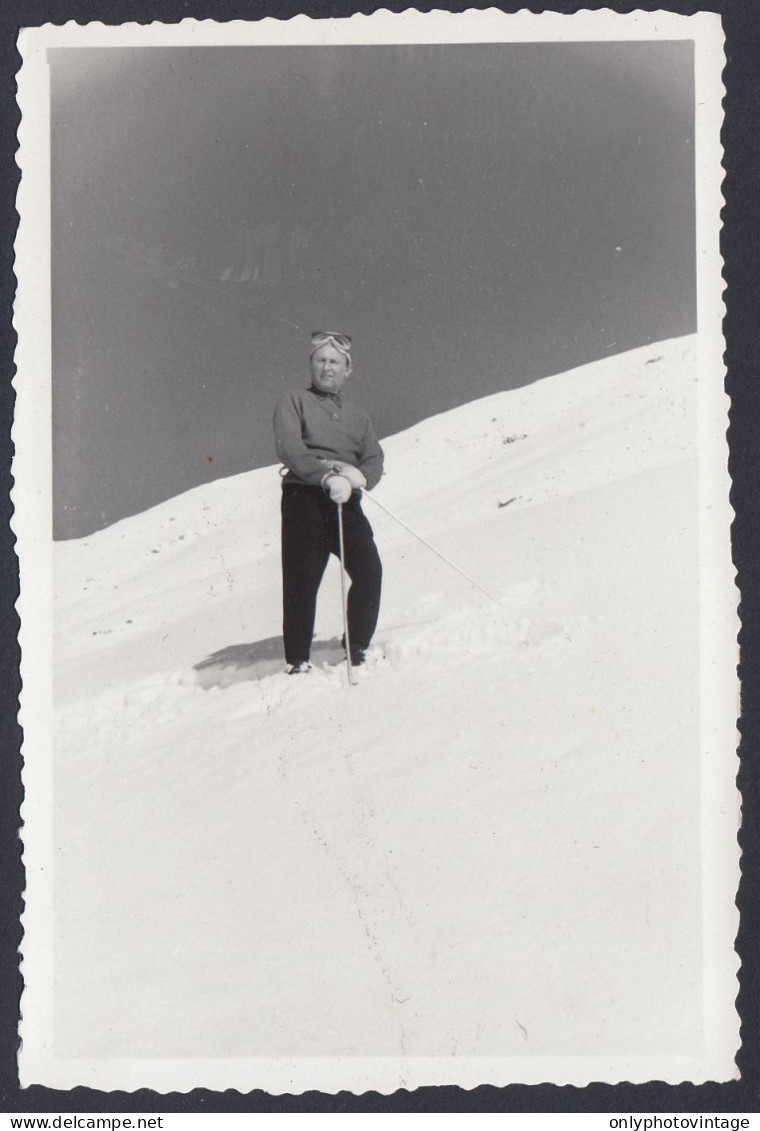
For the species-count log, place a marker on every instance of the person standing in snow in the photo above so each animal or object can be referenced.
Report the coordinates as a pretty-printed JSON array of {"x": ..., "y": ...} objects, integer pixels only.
[{"x": 331, "y": 453}]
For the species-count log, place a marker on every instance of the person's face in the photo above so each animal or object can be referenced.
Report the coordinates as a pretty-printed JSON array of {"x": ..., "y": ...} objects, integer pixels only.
[{"x": 329, "y": 369}]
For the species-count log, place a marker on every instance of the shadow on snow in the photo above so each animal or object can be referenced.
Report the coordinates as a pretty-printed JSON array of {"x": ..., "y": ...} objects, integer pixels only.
[{"x": 239, "y": 663}]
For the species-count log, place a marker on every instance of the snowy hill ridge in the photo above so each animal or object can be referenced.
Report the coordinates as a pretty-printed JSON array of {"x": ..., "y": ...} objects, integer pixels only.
[
  {"x": 645, "y": 397},
  {"x": 449, "y": 831},
  {"x": 466, "y": 468},
  {"x": 599, "y": 422}
]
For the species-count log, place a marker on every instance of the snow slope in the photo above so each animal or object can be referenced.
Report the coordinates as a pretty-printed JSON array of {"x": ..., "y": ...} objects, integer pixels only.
[{"x": 489, "y": 846}]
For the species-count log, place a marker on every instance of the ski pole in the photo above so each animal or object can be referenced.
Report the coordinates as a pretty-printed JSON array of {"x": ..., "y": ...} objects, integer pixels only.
[
  {"x": 343, "y": 594},
  {"x": 424, "y": 541}
]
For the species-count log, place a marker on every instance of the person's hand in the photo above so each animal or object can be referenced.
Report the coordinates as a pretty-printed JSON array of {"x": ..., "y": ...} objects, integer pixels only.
[
  {"x": 338, "y": 488},
  {"x": 354, "y": 476}
]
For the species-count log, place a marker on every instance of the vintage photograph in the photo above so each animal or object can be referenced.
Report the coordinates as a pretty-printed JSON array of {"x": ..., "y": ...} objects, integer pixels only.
[{"x": 372, "y": 505}]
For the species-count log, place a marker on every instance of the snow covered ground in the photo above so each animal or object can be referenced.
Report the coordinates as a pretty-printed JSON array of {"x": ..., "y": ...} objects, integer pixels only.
[{"x": 490, "y": 846}]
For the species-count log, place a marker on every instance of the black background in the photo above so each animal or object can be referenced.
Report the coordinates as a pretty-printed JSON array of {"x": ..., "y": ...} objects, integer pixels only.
[{"x": 741, "y": 252}]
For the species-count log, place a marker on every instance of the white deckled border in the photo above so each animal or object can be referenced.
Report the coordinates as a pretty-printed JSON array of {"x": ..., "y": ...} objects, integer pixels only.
[{"x": 383, "y": 27}]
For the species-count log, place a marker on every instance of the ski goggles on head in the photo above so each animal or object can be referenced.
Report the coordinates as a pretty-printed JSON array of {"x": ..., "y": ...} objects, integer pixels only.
[{"x": 319, "y": 338}]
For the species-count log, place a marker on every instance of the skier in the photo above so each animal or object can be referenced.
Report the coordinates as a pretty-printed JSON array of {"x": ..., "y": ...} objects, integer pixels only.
[{"x": 331, "y": 453}]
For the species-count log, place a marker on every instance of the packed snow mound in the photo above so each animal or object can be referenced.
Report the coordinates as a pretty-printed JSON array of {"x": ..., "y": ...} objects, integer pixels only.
[{"x": 505, "y": 776}]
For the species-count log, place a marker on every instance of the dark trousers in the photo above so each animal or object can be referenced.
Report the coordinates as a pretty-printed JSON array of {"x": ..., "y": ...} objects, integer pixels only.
[{"x": 309, "y": 536}]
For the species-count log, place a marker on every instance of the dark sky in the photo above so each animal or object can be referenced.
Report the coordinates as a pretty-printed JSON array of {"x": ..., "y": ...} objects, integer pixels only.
[{"x": 476, "y": 216}]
